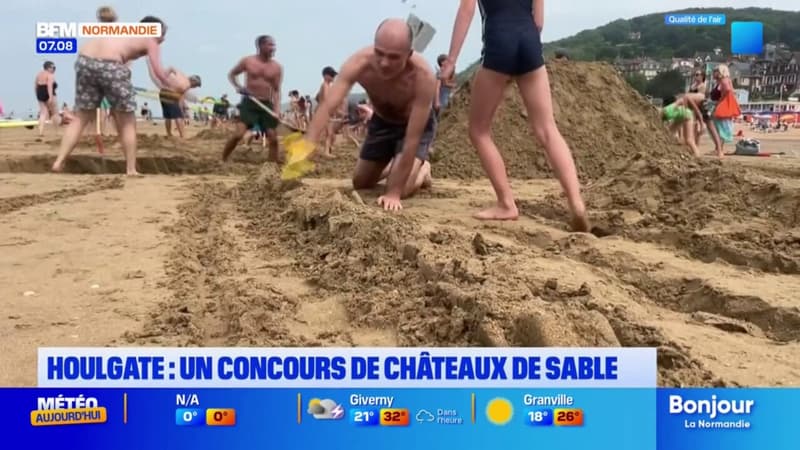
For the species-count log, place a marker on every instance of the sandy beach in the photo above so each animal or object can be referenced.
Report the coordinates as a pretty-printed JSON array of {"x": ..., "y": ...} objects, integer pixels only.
[{"x": 699, "y": 258}]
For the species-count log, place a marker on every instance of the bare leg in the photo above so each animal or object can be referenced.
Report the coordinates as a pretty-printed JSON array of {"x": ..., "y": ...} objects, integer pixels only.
[
  {"x": 535, "y": 90},
  {"x": 367, "y": 174},
  {"x": 415, "y": 178},
  {"x": 688, "y": 135},
  {"x": 181, "y": 125},
  {"x": 487, "y": 93},
  {"x": 44, "y": 115},
  {"x": 272, "y": 137},
  {"x": 56, "y": 118},
  {"x": 698, "y": 131},
  {"x": 330, "y": 139},
  {"x": 168, "y": 126},
  {"x": 126, "y": 129},
  {"x": 107, "y": 122},
  {"x": 72, "y": 135},
  {"x": 712, "y": 130},
  {"x": 388, "y": 169},
  {"x": 419, "y": 177},
  {"x": 239, "y": 131}
]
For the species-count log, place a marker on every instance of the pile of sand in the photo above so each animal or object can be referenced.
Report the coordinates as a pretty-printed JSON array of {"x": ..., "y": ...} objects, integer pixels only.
[
  {"x": 435, "y": 287},
  {"x": 639, "y": 182},
  {"x": 602, "y": 118}
]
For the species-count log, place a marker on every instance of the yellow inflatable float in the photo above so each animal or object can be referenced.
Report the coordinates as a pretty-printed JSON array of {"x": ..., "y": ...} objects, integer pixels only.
[{"x": 18, "y": 123}]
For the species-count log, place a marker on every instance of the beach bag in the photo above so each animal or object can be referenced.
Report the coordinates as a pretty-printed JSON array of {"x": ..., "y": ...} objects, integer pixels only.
[
  {"x": 748, "y": 147},
  {"x": 727, "y": 108}
]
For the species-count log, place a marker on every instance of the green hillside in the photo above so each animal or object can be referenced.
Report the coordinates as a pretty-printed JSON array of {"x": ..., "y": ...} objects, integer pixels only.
[{"x": 660, "y": 41}]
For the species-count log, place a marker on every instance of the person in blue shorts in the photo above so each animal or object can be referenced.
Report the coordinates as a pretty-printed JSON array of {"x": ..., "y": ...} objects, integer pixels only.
[{"x": 512, "y": 49}]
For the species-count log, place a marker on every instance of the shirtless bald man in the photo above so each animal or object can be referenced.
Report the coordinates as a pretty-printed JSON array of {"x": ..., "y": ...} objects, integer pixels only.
[
  {"x": 263, "y": 79},
  {"x": 401, "y": 86}
]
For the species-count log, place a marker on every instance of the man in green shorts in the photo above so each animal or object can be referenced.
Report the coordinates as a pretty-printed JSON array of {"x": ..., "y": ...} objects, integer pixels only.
[
  {"x": 263, "y": 79},
  {"x": 680, "y": 117},
  {"x": 676, "y": 114}
]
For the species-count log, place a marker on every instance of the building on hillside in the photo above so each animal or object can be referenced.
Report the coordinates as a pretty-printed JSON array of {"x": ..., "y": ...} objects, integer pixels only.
[
  {"x": 743, "y": 77},
  {"x": 776, "y": 50},
  {"x": 779, "y": 76},
  {"x": 646, "y": 67},
  {"x": 682, "y": 63},
  {"x": 715, "y": 56}
]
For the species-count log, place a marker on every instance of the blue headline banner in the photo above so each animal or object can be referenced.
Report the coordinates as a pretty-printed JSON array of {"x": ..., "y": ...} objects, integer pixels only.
[{"x": 346, "y": 367}]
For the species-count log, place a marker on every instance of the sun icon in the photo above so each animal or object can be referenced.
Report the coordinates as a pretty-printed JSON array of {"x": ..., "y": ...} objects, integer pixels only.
[{"x": 499, "y": 411}]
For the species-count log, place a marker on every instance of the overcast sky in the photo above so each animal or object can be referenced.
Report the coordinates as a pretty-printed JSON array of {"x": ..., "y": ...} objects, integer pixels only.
[{"x": 207, "y": 37}]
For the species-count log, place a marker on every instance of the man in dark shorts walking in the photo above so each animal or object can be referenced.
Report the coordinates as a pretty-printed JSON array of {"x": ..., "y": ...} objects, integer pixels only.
[
  {"x": 401, "y": 87},
  {"x": 172, "y": 101},
  {"x": 263, "y": 79}
]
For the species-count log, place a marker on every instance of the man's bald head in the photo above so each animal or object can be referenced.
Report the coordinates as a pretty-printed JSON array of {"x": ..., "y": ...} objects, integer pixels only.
[{"x": 394, "y": 34}]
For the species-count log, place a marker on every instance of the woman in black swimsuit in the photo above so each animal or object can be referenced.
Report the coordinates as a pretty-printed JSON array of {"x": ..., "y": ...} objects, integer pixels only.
[
  {"x": 512, "y": 49},
  {"x": 45, "y": 87},
  {"x": 697, "y": 92}
]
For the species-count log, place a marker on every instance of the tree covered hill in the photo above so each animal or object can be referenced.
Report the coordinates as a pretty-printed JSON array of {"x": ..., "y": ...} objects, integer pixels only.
[{"x": 649, "y": 36}]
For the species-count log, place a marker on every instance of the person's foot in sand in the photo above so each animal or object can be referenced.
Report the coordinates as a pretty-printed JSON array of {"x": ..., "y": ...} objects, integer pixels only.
[
  {"x": 425, "y": 177},
  {"x": 498, "y": 212}
]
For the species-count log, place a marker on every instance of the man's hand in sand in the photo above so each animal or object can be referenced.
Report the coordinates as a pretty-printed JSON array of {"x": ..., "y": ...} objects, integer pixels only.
[{"x": 390, "y": 202}]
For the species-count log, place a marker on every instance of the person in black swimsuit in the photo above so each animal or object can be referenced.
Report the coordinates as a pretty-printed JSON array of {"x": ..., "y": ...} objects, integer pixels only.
[
  {"x": 708, "y": 106},
  {"x": 45, "y": 88},
  {"x": 512, "y": 48}
]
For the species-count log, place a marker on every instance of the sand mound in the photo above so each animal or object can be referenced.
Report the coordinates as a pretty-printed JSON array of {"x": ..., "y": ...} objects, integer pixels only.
[
  {"x": 644, "y": 186},
  {"x": 706, "y": 208},
  {"x": 601, "y": 117},
  {"x": 451, "y": 293}
]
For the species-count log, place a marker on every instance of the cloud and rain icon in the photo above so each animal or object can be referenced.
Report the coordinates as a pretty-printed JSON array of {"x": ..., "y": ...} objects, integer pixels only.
[{"x": 326, "y": 409}]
